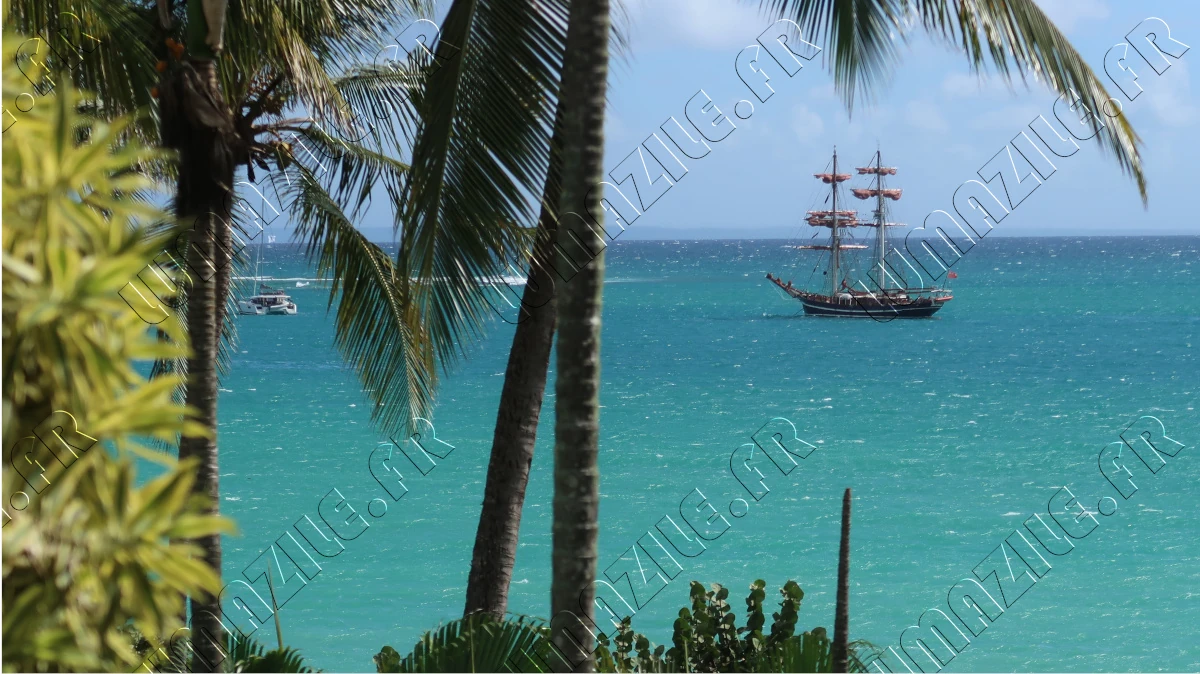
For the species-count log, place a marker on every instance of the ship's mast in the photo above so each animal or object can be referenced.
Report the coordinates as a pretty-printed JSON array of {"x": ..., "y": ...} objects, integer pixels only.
[
  {"x": 880, "y": 221},
  {"x": 881, "y": 235},
  {"x": 834, "y": 244},
  {"x": 836, "y": 221}
]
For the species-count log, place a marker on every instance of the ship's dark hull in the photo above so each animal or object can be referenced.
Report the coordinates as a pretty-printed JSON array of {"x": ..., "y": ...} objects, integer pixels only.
[
  {"x": 922, "y": 308},
  {"x": 884, "y": 307}
]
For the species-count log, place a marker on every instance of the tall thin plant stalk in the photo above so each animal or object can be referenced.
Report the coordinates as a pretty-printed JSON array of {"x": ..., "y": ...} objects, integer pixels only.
[{"x": 841, "y": 621}]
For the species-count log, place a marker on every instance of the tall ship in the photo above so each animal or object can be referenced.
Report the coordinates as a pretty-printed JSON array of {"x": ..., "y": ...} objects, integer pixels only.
[{"x": 842, "y": 295}]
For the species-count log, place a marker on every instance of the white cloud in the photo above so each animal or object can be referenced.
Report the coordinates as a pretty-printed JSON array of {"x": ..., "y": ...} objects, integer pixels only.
[
  {"x": 1066, "y": 13},
  {"x": 962, "y": 150},
  {"x": 703, "y": 24},
  {"x": 965, "y": 85},
  {"x": 1008, "y": 117},
  {"x": 807, "y": 124},
  {"x": 924, "y": 115},
  {"x": 824, "y": 92},
  {"x": 1171, "y": 97}
]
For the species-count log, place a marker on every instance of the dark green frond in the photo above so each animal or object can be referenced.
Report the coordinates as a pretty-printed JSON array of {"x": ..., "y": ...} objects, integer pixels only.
[
  {"x": 487, "y": 115},
  {"x": 861, "y": 38},
  {"x": 352, "y": 171},
  {"x": 1020, "y": 30},
  {"x": 380, "y": 93},
  {"x": 99, "y": 45},
  {"x": 378, "y": 331},
  {"x": 308, "y": 43},
  {"x": 247, "y": 655},
  {"x": 477, "y": 643},
  {"x": 618, "y": 44}
]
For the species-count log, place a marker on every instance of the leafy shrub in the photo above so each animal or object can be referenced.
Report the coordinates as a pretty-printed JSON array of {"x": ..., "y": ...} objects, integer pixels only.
[
  {"x": 707, "y": 639},
  {"x": 87, "y": 553}
]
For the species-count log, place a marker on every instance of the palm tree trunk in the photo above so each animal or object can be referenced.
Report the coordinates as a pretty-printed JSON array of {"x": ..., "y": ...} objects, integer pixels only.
[
  {"x": 520, "y": 407},
  {"x": 202, "y": 395},
  {"x": 197, "y": 123},
  {"x": 222, "y": 252},
  {"x": 841, "y": 621},
  {"x": 577, "y": 385}
]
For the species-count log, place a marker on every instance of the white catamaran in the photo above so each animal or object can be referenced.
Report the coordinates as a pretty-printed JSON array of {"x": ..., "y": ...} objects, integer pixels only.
[{"x": 268, "y": 300}]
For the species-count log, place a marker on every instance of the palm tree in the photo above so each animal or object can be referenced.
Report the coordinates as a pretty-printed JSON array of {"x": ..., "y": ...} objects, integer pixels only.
[
  {"x": 859, "y": 35},
  {"x": 198, "y": 124},
  {"x": 524, "y": 387},
  {"x": 212, "y": 141},
  {"x": 397, "y": 319},
  {"x": 278, "y": 55},
  {"x": 841, "y": 621},
  {"x": 519, "y": 410},
  {"x": 482, "y": 142},
  {"x": 577, "y": 384}
]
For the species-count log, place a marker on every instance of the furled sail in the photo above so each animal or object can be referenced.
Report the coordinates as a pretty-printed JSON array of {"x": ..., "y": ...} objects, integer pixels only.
[
  {"x": 893, "y": 194},
  {"x": 825, "y": 218},
  {"x": 828, "y": 178},
  {"x": 827, "y": 221},
  {"x": 877, "y": 170}
]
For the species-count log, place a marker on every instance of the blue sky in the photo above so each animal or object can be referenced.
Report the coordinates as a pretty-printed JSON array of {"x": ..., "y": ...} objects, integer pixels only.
[{"x": 935, "y": 121}]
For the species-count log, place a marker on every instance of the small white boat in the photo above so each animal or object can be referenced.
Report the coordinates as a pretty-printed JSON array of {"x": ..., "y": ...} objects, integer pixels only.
[{"x": 267, "y": 301}]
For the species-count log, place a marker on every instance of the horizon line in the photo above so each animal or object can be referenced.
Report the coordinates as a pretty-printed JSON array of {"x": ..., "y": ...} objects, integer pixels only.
[{"x": 778, "y": 238}]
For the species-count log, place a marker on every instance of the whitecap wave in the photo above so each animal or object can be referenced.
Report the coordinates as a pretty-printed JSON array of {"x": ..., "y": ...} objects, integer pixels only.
[
  {"x": 508, "y": 280},
  {"x": 266, "y": 279}
]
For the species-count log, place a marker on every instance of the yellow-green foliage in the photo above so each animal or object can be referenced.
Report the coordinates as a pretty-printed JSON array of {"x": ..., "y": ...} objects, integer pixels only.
[{"x": 88, "y": 552}]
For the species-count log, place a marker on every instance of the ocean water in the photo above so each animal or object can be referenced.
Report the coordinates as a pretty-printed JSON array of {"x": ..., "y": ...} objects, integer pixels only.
[{"x": 951, "y": 432}]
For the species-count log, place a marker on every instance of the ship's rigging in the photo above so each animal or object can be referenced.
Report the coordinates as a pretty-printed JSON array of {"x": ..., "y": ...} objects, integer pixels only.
[{"x": 885, "y": 290}]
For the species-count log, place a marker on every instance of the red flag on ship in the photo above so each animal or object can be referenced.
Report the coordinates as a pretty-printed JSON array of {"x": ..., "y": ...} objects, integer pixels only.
[{"x": 952, "y": 275}]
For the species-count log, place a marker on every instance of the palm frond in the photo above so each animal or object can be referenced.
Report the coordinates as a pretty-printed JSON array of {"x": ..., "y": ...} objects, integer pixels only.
[
  {"x": 1021, "y": 30},
  {"x": 247, "y": 656},
  {"x": 486, "y": 118},
  {"x": 99, "y": 45},
  {"x": 377, "y": 329},
  {"x": 382, "y": 93},
  {"x": 305, "y": 42},
  {"x": 476, "y": 643},
  {"x": 619, "y": 45},
  {"x": 861, "y": 37},
  {"x": 352, "y": 171}
]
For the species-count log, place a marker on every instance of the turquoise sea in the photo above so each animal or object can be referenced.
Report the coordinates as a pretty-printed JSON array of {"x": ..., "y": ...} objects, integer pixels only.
[{"x": 951, "y": 432}]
